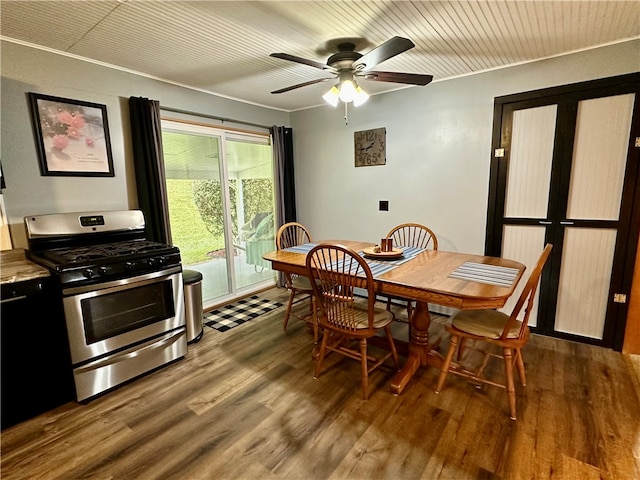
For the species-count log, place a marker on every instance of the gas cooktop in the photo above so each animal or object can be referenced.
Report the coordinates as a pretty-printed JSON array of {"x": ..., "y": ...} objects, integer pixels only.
[{"x": 72, "y": 257}]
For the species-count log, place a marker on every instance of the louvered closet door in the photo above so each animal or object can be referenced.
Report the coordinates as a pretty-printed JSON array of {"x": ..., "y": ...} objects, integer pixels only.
[{"x": 563, "y": 175}]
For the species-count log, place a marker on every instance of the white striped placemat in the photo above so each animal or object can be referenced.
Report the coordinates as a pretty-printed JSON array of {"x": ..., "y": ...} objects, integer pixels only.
[
  {"x": 483, "y": 273},
  {"x": 303, "y": 248},
  {"x": 377, "y": 268}
]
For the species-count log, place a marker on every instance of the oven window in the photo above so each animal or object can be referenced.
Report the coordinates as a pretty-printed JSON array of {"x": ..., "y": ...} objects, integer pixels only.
[{"x": 113, "y": 314}]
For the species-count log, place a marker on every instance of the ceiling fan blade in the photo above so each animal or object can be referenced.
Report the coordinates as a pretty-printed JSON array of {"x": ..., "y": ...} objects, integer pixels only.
[
  {"x": 293, "y": 87},
  {"x": 397, "y": 77},
  {"x": 385, "y": 51},
  {"x": 304, "y": 61}
]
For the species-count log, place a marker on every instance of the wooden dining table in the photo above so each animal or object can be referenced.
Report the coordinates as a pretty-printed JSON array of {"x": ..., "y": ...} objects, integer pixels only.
[{"x": 452, "y": 279}]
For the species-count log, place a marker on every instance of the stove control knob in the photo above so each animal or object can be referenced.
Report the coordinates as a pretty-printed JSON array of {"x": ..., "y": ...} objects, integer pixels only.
[
  {"x": 103, "y": 270},
  {"x": 162, "y": 260},
  {"x": 152, "y": 261},
  {"x": 88, "y": 273},
  {"x": 129, "y": 266}
]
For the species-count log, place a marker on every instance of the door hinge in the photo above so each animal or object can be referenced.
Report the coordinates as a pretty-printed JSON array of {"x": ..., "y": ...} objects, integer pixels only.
[
  {"x": 499, "y": 152},
  {"x": 637, "y": 141},
  {"x": 619, "y": 298}
]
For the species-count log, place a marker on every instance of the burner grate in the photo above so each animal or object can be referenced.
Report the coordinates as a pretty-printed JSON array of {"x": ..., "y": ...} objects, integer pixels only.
[{"x": 107, "y": 252}]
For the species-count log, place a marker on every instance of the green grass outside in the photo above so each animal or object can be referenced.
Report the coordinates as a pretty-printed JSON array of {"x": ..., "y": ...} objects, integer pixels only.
[{"x": 188, "y": 231}]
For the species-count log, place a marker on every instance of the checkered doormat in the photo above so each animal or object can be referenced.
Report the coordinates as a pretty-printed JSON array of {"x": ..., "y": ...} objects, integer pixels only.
[{"x": 230, "y": 316}]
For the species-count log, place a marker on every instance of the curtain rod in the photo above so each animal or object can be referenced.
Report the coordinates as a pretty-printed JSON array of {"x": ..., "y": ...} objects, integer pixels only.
[{"x": 213, "y": 117}]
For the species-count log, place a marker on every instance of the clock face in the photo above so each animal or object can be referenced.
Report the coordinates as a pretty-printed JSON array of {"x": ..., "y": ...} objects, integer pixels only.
[{"x": 370, "y": 147}]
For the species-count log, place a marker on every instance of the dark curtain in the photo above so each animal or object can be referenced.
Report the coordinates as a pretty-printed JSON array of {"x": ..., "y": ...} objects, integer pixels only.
[
  {"x": 282, "y": 140},
  {"x": 151, "y": 182}
]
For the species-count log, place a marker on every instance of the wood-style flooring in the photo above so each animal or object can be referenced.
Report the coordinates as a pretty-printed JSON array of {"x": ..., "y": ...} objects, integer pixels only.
[{"x": 244, "y": 405}]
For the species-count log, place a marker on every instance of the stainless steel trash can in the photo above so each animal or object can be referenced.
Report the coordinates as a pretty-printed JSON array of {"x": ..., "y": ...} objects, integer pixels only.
[{"x": 192, "y": 281}]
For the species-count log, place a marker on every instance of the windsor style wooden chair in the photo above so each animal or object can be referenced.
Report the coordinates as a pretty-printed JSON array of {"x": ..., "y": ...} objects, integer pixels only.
[
  {"x": 348, "y": 322},
  {"x": 410, "y": 235},
  {"x": 289, "y": 235},
  {"x": 496, "y": 328}
]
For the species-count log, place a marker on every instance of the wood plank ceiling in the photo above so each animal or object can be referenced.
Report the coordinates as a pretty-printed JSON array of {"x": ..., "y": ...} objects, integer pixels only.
[{"x": 223, "y": 47}]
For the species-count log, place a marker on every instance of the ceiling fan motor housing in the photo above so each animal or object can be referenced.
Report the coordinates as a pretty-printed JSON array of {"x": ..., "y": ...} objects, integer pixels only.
[{"x": 345, "y": 57}]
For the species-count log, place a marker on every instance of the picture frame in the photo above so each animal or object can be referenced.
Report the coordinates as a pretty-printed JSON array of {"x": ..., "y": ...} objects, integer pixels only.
[{"x": 72, "y": 137}]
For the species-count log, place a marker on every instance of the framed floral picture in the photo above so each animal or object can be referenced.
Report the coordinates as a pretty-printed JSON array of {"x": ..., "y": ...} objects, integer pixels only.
[{"x": 72, "y": 137}]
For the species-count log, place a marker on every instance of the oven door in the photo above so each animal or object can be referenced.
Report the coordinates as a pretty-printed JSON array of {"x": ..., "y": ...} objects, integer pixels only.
[{"x": 107, "y": 317}]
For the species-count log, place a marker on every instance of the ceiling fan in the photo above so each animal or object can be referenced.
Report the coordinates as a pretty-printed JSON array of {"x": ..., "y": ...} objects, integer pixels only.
[{"x": 348, "y": 65}]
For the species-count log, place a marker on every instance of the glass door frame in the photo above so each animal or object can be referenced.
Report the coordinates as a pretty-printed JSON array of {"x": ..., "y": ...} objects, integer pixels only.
[{"x": 222, "y": 135}]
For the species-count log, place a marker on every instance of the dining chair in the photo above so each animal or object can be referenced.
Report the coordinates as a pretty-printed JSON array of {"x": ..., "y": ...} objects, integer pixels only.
[
  {"x": 290, "y": 235},
  {"x": 495, "y": 328},
  {"x": 348, "y": 321},
  {"x": 411, "y": 235}
]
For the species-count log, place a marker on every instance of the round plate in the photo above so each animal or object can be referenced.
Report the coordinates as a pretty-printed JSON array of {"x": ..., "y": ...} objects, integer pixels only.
[{"x": 395, "y": 253}]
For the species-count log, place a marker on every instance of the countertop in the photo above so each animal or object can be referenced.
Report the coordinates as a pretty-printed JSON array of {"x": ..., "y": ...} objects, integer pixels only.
[{"x": 15, "y": 267}]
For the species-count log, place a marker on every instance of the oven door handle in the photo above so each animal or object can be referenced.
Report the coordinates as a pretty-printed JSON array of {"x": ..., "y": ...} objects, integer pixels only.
[
  {"x": 123, "y": 282},
  {"x": 13, "y": 299},
  {"x": 132, "y": 352}
]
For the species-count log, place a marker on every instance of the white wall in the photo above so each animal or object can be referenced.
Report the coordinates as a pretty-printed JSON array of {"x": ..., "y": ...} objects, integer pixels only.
[
  {"x": 438, "y": 151},
  {"x": 25, "y": 69},
  {"x": 438, "y": 143}
]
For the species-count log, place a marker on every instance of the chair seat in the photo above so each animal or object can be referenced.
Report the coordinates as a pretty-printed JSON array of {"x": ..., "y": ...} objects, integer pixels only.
[
  {"x": 302, "y": 283},
  {"x": 484, "y": 323},
  {"x": 381, "y": 317}
]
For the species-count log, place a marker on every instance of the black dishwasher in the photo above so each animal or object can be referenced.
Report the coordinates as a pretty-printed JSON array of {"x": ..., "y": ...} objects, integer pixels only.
[{"x": 35, "y": 366}]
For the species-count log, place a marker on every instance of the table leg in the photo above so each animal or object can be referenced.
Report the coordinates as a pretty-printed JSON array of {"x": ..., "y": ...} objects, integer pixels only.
[{"x": 420, "y": 349}]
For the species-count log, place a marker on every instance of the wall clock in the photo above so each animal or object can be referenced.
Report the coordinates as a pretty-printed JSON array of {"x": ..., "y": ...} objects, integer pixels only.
[{"x": 370, "y": 147}]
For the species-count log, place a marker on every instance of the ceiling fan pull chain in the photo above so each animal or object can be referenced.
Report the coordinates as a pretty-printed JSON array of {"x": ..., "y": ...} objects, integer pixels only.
[{"x": 346, "y": 113}]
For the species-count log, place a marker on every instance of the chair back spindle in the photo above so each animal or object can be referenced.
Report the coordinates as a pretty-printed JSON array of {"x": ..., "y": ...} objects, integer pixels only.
[
  {"x": 527, "y": 297},
  {"x": 413, "y": 235},
  {"x": 340, "y": 271},
  {"x": 292, "y": 234}
]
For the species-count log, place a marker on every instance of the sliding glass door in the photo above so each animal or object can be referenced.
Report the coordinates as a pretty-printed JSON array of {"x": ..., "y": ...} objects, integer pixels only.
[{"x": 221, "y": 206}]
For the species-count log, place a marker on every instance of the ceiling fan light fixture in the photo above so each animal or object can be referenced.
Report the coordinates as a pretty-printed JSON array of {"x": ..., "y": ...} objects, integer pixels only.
[
  {"x": 347, "y": 91},
  {"x": 332, "y": 97},
  {"x": 360, "y": 97}
]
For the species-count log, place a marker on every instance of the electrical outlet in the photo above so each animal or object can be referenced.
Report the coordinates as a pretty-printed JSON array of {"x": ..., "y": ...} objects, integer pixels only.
[{"x": 384, "y": 205}]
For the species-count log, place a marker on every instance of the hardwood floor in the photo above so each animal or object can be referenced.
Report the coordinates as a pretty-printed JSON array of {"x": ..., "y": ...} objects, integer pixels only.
[{"x": 244, "y": 405}]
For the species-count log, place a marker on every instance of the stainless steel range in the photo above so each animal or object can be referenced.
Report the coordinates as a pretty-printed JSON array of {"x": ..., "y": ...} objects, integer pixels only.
[{"x": 122, "y": 294}]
